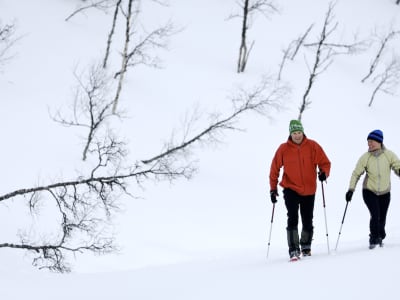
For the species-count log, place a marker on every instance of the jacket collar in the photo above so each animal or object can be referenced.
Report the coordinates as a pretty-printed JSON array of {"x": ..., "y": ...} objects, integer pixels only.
[
  {"x": 378, "y": 152},
  {"x": 290, "y": 141}
]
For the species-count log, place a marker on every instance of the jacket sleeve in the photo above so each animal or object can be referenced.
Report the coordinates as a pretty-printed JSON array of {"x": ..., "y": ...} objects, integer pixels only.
[
  {"x": 276, "y": 165},
  {"x": 358, "y": 171},
  {"x": 394, "y": 162},
  {"x": 323, "y": 162}
]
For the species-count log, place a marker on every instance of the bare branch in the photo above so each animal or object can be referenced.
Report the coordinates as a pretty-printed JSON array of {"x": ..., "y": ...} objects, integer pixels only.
[
  {"x": 103, "y": 5},
  {"x": 80, "y": 203},
  {"x": 111, "y": 34},
  {"x": 87, "y": 202},
  {"x": 7, "y": 41},
  {"x": 259, "y": 100},
  {"x": 388, "y": 81},
  {"x": 92, "y": 109},
  {"x": 154, "y": 40},
  {"x": 84, "y": 205},
  {"x": 300, "y": 41},
  {"x": 291, "y": 50},
  {"x": 322, "y": 57},
  {"x": 53, "y": 256},
  {"x": 338, "y": 48},
  {"x": 285, "y": 56},
  {"x": 140, "y": 53},
  {"x": 383, "y": 44},
  {"x": 265, "y": 7}
]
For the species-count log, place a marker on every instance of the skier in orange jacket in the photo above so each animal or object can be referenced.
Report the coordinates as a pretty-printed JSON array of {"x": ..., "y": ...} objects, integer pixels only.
[{"x": 300, "y": 157}]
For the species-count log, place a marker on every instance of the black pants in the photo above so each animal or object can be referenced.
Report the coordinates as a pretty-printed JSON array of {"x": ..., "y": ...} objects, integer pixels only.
[
  {"x": 378, "y": 206},
  {"x": 294, "y": 202}
]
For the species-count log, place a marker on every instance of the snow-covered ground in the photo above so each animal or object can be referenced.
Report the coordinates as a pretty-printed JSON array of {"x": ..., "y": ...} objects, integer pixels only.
[{"x": 205, "y": 238}]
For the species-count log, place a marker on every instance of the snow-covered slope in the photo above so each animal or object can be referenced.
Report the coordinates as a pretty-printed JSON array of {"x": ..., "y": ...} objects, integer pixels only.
[{"x": 206, "y": 238}]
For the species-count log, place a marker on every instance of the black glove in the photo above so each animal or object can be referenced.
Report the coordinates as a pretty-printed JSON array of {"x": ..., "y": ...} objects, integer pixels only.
[
  {"x": 322, "y": 176},
  {"x": 349, "y": 195},
  {"x": 273, "y": 194}
]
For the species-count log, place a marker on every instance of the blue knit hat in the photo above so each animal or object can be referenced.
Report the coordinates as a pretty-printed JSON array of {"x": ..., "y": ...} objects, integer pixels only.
[{"x": 376, "y": 135}]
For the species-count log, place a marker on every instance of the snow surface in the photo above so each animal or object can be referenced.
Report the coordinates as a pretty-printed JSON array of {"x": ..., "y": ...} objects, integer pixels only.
[{"x": 205, "y": 238}]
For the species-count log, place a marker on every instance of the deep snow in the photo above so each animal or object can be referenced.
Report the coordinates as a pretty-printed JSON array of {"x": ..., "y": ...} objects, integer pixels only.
[{"x": 205, "y": 238}]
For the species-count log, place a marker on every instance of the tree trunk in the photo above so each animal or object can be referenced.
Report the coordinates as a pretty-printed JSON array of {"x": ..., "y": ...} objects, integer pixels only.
[{"x": 243, "y": 46}]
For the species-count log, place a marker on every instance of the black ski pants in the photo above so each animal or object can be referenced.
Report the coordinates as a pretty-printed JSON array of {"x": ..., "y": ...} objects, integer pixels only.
[
  {"x": 294, "y": 202},
  {"x": 378, "y": 206}
]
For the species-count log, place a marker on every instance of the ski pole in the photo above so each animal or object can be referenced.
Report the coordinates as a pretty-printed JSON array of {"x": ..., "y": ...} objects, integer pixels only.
[
  {"x": 340, "y": 231},
  {"x": 270, "y": 228},
  {"x": 326, "y": 223}
]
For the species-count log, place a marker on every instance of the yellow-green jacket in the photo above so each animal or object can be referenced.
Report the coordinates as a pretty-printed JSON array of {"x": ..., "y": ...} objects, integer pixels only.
[{"x": 377, "y": 165}]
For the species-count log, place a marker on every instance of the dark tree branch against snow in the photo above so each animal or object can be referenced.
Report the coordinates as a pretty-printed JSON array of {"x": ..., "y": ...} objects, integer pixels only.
[
  {"x": 52, "y": 255},
  {"x": 139, "y": 46},
  {"x": 250, "y": 7},
  {"x": 103, "y": 5},
  {"x": 300, "y": 41},
  {"x": 112, "y": 31},
  {"x": 291, "y": 51},
  {"x": 263, "y": 97},
  {"x": 141, "y": 52},
  {"x": 322, "y": 58},
  {"x": 81, "y": 210},
  {"x": 124, "y": 63},
  {"x": 383, "y": 45},
  {"x": 7, "y": 40},
  {"x": 324, "y": 53},
  {"x": 83, "y": 207},
  {"x": 243, "y": 54},
  {"x": 388, "y": 81},
  {"x": 91, "y": 108}
]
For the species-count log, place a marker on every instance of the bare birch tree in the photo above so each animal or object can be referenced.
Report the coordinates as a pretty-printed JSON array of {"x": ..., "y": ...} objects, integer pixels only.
[
  {"x": 112, "y": 32},
  {"x": 291, "y": 51},
  {"x": 85, "y": 204},
  {"x": 322, "y": 58},
  {"x": 388, "y": 81},
  {"x": 139, "y": 45},
  {"x": 383, "y": 41},
  {"x": 92, "y": 107},
  {"x": 249, "y": 8},
  {"x": 81, "y": 209},
  {"x": 324, "y": 52},
  {"x": 103, "y": 5},
  {"x": 141, "y": 50}
]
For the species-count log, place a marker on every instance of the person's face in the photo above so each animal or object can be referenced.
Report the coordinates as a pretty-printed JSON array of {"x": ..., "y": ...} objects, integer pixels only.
[
  {"x": 373, "y": 145},
  {"x": 297, "y": 137}
]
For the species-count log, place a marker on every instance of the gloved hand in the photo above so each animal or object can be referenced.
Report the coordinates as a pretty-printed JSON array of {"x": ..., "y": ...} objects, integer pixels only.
[
  {"x": 273, "y": 194},
  {"x": 322, "y": 176},
  {"x": 349, "y": 195}
]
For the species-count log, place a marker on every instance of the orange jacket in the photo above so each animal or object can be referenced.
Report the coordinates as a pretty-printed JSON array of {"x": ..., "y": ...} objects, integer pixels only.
[{"x": 299, "y": 164}]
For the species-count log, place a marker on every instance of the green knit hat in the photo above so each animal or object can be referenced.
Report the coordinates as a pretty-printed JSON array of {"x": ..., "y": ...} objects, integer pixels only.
[{"x": 295, "y": 125}]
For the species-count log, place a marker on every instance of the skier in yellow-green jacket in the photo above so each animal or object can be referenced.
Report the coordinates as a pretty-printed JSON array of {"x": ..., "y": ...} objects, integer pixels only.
[{"x": 377, "y": 163}]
